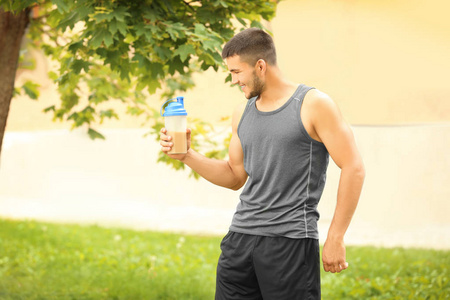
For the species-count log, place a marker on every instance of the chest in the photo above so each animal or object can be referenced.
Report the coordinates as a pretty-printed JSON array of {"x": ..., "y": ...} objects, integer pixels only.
[{"x": 261, "y": 131}]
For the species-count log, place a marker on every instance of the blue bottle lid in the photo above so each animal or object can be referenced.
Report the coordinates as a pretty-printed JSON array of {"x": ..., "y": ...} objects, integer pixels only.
[{"x": 174, "y": 108}]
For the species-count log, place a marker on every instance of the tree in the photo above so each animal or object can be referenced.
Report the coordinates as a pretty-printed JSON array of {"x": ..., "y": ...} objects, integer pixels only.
[{"x": 120, "y": 50}]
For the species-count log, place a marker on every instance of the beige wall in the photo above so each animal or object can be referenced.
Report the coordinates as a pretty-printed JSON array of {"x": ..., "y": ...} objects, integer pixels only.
[{"x": 383, "y": 62}]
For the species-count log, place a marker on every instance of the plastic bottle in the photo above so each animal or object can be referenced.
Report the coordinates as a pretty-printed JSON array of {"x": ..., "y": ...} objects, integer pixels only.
[{"x": 175, "y": 121}]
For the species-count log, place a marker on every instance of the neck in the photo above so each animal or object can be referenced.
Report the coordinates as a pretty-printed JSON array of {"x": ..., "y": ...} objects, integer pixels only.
[{"x": 276, "y": 87}]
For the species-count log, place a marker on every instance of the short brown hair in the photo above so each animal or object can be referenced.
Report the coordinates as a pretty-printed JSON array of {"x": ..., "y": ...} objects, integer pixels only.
[{"x": 251, "y": 45}]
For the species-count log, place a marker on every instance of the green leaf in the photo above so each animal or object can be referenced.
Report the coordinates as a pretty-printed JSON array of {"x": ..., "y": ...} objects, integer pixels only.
[
  {"x": 256, "y": 24},
  {"x": 112, "y": 58},
  {"x": 16, "y": 5},
  {"x": 50, "y": 108},
  {"x": 124, "y": 72},
  {"x": 153, "y": 85},
  {"x": 129, "y": 39},
  {"x": 184, "y": 51},
  {"x": 62, "y": 5},
  {"x": 175, "y": 30},
  {"x": 31, "y": 89},
  {"x": 135, "y": 111},
  {"x": 200, "y": 30},
  {"x": 112, "y": 27},
  {"x": 75, "y": 46},
  {"x": 122, "y": 26},
  {"x": 79, "y": 64},
  {"x": 157, "y": 70},
  {"x": 162, "y": 53},
  {"x": 69, "y": 21},
  {"x": 16, "y": 92},
  {"x": 97, "y": 39},
  {"x": 176, "y": 65},
  {"x": 93, "y": 134},
  {"x": 110, "y": 113},
  {"x": 207, "y": 58},
  {"x": 100, "y": 17},
  {"x": 242, "y": 21},
  {"x": 143, "y": 62},
  {"x": 140, "y": 29},
  {"x": 120, "y": 13},
  {"x": 83, "y": 9},
  {"x": 101, "y": 36},
  {"x": 108, "y": 39}
]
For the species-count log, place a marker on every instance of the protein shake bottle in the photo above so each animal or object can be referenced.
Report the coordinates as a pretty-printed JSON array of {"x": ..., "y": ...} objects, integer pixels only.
[{"x": 175, "y": 121}]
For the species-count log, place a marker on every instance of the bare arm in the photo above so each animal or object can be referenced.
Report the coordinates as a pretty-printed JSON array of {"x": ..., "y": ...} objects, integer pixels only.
[
  {"x": 338, "y": 138},
  {"x": 230, "y": 174}
]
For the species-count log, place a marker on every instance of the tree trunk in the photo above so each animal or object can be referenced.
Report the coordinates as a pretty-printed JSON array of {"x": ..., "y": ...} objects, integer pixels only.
[{"x": 12, "y": 30}]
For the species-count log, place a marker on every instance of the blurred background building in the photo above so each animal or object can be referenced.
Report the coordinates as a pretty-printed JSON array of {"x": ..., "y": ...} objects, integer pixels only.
[{"x": 386, "y": 64}]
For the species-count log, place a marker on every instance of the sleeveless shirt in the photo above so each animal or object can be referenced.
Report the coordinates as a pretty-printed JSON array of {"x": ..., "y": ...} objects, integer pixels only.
[{"x": 286, "y": 172}]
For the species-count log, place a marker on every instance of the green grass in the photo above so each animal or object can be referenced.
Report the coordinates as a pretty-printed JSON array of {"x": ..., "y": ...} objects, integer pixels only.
[{"x": 52, "y": 261}]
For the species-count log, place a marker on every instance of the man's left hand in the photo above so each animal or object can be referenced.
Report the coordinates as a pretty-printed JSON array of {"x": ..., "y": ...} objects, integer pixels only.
[{"x": 333, "y": 256}]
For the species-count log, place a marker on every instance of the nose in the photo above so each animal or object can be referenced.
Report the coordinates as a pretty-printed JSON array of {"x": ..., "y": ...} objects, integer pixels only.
[{"x": 234, "y": 79}]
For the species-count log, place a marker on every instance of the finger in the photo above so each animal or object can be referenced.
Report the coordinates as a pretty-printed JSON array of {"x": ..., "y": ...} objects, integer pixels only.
[
  {"x": 166, "y": 144},
  {"x": 163, "y": 130},
  {"x": 329, "y": 268},
  {"x": 164, "y": 137},
  {"x": 326, "y": 266},
  {"x": 342, "y": 266},
  {"x": 166, "y": 148}
]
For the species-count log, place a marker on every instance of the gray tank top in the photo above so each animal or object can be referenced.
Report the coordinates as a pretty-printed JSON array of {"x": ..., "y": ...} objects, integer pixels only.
[{"x": 286, "y": 172}]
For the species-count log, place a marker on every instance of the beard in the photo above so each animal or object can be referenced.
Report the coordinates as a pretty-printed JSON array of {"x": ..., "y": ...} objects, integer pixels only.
[{"x": 257, "y": 87}]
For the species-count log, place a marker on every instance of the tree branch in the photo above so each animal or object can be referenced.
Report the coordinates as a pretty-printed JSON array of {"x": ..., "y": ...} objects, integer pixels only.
[{"x": 188, "y": 5}]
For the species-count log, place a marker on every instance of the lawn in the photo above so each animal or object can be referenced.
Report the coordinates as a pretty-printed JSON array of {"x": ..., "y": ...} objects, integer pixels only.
[{"x": 54, "y": 261}]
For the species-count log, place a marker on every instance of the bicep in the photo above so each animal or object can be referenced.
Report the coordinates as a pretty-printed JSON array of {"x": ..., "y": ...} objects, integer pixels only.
[
  {"x": 235, "y": 152},
  {"x": 336, "y": 134}
]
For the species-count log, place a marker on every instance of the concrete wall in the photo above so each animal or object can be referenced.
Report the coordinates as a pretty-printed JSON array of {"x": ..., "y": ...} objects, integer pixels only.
[{"x": 63, "y": 176}]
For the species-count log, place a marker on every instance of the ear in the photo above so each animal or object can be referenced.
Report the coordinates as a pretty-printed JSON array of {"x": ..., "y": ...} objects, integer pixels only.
[{"x": 261, "y": 66}]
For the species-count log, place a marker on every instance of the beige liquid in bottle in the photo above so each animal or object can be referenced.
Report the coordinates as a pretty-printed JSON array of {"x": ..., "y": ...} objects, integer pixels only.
[{"x": 179, "y": 142}]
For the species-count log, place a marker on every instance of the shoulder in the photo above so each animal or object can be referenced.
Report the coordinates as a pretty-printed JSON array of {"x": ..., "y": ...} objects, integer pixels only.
[
  {"x": 239, "y": 110},
  {"x": 320, "y": 113},
  {"x": 319, "y": 105},
  {"x": 318, "y": 99},
  {"x": 237, "y": 114}
]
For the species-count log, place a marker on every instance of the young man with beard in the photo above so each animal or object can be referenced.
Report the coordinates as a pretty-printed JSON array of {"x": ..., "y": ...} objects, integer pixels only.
[{"x": 281, "y": 142}]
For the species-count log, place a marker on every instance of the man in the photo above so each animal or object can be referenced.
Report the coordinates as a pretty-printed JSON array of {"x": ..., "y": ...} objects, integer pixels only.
[{"x": 281, "y": 141}]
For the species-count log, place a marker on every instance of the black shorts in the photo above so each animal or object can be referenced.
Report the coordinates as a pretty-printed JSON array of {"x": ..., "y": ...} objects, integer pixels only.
[{"x": 269, "y": 268}]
